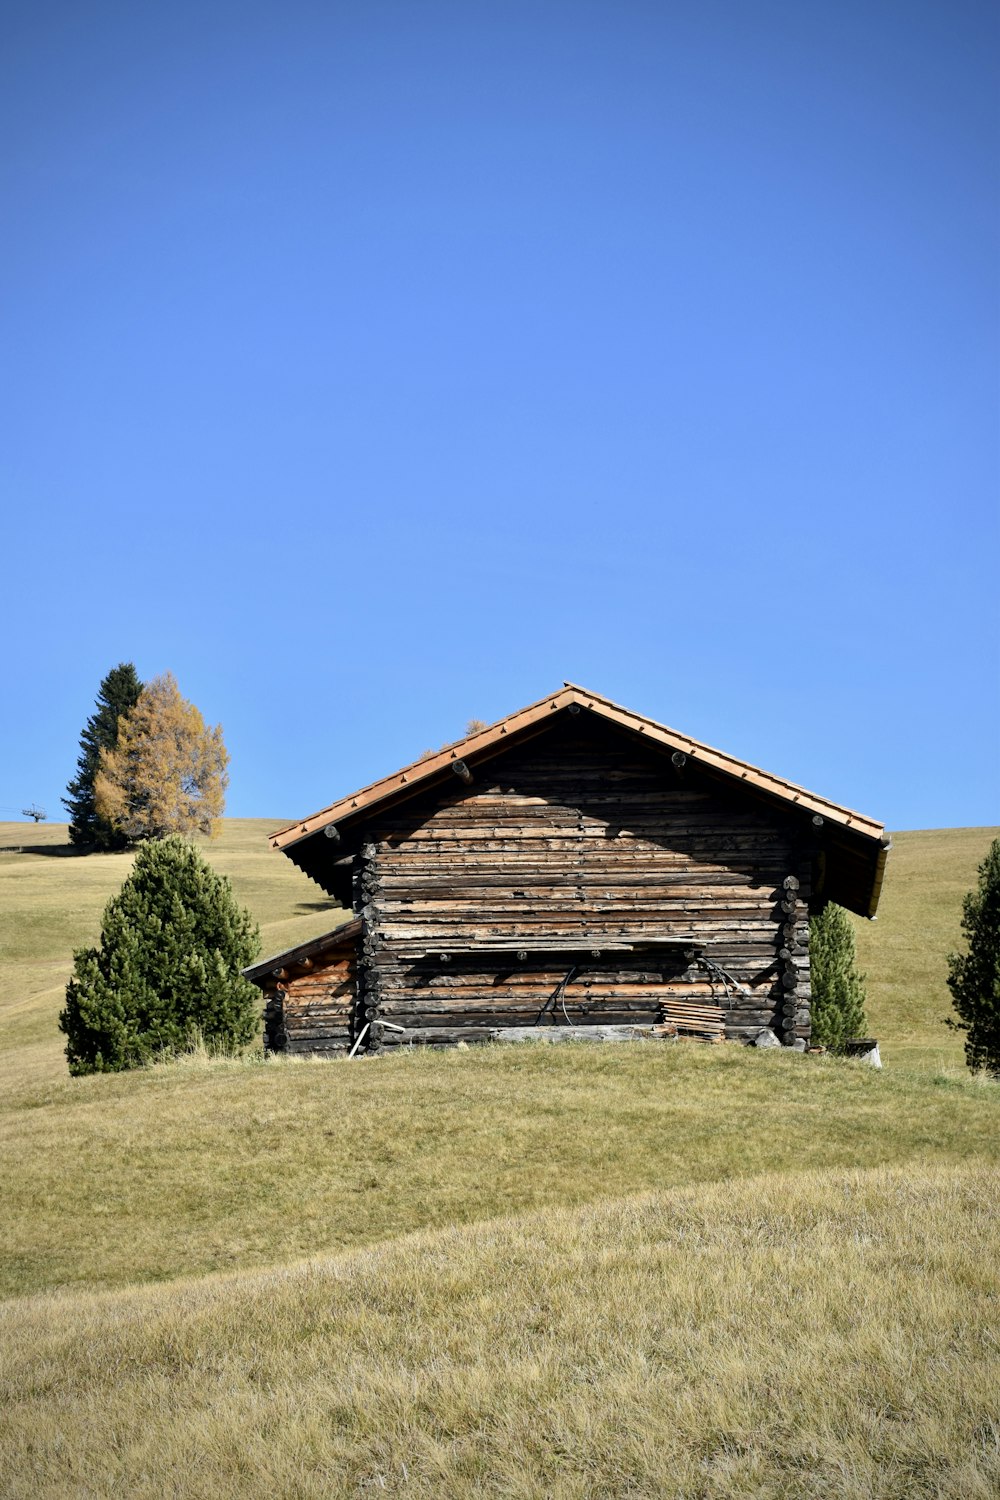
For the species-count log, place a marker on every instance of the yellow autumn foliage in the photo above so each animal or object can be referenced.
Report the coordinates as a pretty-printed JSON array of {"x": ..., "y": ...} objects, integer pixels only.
[{"x": 167, "y": 773}]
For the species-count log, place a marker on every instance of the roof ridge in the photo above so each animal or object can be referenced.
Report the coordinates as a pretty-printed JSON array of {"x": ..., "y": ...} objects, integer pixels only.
[
  {"x": 706, "y": 749},
  {"x": 421, "y": 770}
]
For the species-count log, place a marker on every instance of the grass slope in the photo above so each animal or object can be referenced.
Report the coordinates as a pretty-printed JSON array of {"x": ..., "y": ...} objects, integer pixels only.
[
  {"x": 802, "y": 1298},
  {"x": 51, "y": 902},
  {"x": 904, "y": 951},
  {"x": 821, "y": 1335},
  {"x": 179, "y": 1170}
]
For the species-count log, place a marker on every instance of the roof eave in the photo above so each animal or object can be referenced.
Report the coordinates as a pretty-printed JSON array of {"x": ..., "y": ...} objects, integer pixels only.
[
  {"x": 880, "y": 864},
  {"x": 419, "y": 774},
  {"x": 268, "y": 968}
]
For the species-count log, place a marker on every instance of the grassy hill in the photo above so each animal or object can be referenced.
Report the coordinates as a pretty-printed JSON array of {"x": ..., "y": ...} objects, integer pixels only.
[
  {"x": 904, "y": 951},
  {"x": 642, "y": 1270},
  {"x": 829, "y": 1336},
  {"x": 51, "y": 902}
]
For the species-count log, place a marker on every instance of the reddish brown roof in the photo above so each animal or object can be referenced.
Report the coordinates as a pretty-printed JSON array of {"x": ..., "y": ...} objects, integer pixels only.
[
  {"x": 320, "y": 947},
  {"x": 410, "y": 777},
  {"x": 856, "y": 845}
]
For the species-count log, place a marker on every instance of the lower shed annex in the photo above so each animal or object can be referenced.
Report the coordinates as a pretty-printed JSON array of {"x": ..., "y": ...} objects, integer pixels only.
[{"x": 574, "y": 864}]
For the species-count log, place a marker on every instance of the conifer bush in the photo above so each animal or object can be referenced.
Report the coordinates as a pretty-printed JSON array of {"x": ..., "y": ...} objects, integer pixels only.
[
  {"x": 974, "y": 977},
  {"x": 838, "y": 989},
  {"x": 117, "y": 696},
  {"x": 173, "y": 942}
]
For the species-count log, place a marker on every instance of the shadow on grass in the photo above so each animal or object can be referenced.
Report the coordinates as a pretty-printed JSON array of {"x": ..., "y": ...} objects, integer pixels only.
[{"x": 59, "y": 851}]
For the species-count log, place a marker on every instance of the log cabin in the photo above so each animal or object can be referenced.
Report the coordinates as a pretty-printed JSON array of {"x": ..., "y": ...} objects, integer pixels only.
[{"x": 575, "y": 865}]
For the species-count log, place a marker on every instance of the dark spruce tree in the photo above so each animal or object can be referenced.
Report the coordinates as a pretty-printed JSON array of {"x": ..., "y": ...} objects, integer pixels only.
[
  {"x": 167, "y": 971},
  {"x": 838, "y": 990},
  {"x": 974, "y": 977},
  {"x": 117, "y": 696}
]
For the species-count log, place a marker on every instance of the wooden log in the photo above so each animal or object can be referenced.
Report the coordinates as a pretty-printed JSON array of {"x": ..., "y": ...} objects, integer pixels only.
[{"x": 319, "y": 1046}]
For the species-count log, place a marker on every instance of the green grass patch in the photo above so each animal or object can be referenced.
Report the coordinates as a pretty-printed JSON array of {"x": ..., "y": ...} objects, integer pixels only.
[
  {"x": 190, "y": 1168},
  {"x": 904, "y": 951}
]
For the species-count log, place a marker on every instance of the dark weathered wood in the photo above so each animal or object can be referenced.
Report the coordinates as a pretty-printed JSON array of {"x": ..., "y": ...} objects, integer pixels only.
[
  {"x": 579, "y": 879},
  {"x": 369, "y": 987},
  {"x": 314, "y": 1010}
]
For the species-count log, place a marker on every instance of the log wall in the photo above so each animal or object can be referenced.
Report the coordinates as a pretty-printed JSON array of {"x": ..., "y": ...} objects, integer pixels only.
[
  {"x": 578, "y": 840},
  {"x": 315, "y": 1011}
]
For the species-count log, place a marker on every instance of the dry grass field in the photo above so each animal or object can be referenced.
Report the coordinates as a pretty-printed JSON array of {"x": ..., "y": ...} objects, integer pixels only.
[
  {"x": 830, "y": 1336},
  {"x": 206, "y": 1166},
  {"x": 643, "y": 1270}
]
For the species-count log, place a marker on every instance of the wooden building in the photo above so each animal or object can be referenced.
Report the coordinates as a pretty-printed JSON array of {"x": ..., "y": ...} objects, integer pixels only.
[{"x": 575, "y": 864}]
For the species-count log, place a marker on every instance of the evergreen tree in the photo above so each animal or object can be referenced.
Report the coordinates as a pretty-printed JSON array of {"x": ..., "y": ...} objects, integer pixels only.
[
  {"x": 838, "y": 990},
  {"x": 974, "y": 977},
  {"x": 173, "y": 942},
  {"x": 117, "y": 696},
  {"x": 167, "y": 773}
]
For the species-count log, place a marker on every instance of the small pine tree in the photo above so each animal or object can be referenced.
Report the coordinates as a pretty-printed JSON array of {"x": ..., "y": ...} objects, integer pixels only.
[
  {"x": 117, "y": 696},
  {"x": 974, "y": 977},
  {"x": 173, "y": 942},
  {"x": 838, "y": 989},
  {"x": 167, "y": 773}
]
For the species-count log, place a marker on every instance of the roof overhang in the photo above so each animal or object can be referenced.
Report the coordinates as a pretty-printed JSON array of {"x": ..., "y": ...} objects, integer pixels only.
[
  {"x": 863, "y": 840},
  {"x": 303, "y": 957}
]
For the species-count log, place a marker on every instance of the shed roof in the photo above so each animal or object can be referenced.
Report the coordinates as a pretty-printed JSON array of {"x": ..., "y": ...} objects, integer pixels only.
[
  {"x": 314, "y": 948},
  {"x": 852, "y": 829}
]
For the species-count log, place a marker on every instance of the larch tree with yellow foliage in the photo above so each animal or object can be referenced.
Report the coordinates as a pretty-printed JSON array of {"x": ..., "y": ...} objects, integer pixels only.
[{"x": 167, "y": 773}]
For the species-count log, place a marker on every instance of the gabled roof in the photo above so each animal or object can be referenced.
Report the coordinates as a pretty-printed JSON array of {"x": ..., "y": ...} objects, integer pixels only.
[
  {"x": 499, "y": 736},
  {"x": 470, "y": 748}
]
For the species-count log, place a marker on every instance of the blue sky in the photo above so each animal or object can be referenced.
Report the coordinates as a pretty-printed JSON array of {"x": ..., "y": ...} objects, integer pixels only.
[{"x": 376, "y": 366}]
